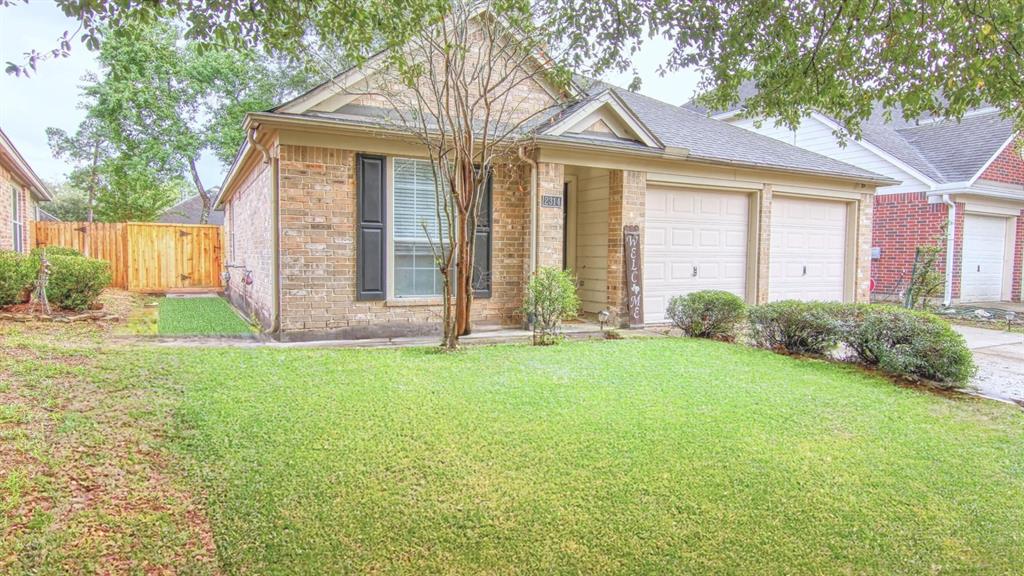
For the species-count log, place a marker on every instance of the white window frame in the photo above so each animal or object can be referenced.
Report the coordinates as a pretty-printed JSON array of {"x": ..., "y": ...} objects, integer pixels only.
[
  {"x": 17, "y": 225},
  {"x": 392, "y": 278}
]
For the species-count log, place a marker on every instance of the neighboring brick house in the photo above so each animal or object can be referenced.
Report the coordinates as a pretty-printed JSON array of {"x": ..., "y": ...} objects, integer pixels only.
[
  {"x": 971, "y": 170},
  {"x": 21, "y": 191},
  {"x": 324, "y": 201}
]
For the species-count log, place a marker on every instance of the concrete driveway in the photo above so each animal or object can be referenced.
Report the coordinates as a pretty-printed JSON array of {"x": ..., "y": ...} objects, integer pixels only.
[{"x": 1000, "y": 359}]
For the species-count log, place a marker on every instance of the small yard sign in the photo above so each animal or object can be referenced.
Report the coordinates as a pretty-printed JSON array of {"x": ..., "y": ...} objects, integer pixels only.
[{"x": 634, "y": 276}]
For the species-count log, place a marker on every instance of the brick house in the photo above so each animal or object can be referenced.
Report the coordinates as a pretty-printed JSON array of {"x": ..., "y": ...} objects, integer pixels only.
[
  {"x": 323, "y": 201},
  {"x": 961, "y": 185},
  {"x": 21, "y": 191}
]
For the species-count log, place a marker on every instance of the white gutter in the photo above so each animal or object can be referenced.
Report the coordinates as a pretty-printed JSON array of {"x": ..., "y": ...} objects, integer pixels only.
[
  {"x": 950, "y": 245},
  {"x": 533, "y": 208}
]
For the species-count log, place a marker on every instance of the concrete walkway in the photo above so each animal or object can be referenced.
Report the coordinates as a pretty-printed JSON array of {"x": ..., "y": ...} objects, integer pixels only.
[{"x": 1000, "y": 359}]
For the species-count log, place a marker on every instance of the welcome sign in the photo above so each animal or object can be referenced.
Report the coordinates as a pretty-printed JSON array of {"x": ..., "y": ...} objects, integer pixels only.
[{"x": 634, "y": 276}]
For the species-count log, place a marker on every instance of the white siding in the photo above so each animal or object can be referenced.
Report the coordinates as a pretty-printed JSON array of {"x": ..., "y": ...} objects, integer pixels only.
[
  {"x": 591, "y": 254},
  {"x": 816, "y": 136}
]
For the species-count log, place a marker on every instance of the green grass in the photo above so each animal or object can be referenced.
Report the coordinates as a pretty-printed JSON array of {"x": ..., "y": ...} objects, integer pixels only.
[
  {"x": 661, "y": 456},
  {"x": 616, "y": 457},
  {"x": 199, "y": 317}
]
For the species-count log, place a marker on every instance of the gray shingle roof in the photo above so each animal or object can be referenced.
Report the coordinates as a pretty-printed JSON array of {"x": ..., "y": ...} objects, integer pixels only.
[
  {"x": 718, "y": 141},
  {"x": 958, "y": 150},
  {"x": 704, "y": 138},
  {"x": 943, "y": 150},
  {"x": 188, "y": 212}
]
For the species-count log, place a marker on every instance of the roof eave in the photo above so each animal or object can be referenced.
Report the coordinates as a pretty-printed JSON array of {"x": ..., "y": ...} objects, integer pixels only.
[{"x": 24, "y": 170}]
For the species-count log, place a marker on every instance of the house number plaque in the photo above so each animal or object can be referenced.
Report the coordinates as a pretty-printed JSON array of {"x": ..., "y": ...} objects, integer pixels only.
[
  {"x": 551, "y": 201},
  {"x": 634, "y": 276}
]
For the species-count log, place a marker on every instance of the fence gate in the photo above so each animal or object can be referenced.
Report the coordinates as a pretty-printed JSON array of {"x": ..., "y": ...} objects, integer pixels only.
[{"x": 143, "y": 256}]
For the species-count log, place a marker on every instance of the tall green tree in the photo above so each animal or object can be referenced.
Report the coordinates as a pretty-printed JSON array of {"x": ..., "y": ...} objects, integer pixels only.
[
  {"x": 837, "y": 56},
  {"x": 88, "y": 149},
  {"x": 166, "y": 102}
]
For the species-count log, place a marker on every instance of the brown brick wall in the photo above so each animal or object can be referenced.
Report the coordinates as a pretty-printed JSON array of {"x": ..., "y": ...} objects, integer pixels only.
[
  {"x": 27, "y": 205},
  {"x": 248, "y": 236},
  {"x": 318, "y": 253},
  {"x": 862, "y": 285},
  {"x": 550, "y": 221},
  {"x": 627, "y": 191},
  {"x": 764, "y": 232}
]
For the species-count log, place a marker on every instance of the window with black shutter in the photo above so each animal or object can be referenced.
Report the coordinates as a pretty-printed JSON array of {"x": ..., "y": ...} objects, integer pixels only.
[
  {"x": 371, "y": 241},
  {"x": 482, "y": 249}
]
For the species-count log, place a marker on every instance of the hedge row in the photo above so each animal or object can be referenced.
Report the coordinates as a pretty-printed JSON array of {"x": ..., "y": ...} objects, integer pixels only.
[
  {"x": 907, "y": 343},
  {"x": 75, "y": 281}
]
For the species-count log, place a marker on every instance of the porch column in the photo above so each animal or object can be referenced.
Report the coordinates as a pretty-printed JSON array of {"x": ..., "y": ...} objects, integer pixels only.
[
  {"x": 627, "y": 190},
  {"x": 862, "y": 286},
  {"x": 550, "y": 222},
  {"x": 764, "y": 243}
]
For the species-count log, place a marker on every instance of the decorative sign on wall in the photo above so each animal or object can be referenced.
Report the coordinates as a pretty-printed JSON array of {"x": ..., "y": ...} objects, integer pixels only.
[
  {"x": 634, "y": 276},
  {"x": 551, "y": 201}
]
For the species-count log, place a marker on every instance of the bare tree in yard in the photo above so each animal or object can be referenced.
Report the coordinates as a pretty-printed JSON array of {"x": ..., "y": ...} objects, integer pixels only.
[{"x": 465, "y": 88}]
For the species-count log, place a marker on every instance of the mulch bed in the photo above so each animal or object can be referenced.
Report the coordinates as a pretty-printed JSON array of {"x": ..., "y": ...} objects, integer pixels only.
[{"x": 32, "y": 313}]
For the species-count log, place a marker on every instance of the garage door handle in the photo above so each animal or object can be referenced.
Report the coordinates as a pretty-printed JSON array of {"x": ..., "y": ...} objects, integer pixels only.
[
  {"x": 979, "y": 267},
  {"x": 694, "y": 271},
  {"x": 805, "y": 270}
]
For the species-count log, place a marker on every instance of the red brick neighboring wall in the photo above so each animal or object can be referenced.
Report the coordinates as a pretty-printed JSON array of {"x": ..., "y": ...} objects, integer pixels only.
[
  {"x": 1008, "y": 168},
  {"x": 901, "y": 223}
]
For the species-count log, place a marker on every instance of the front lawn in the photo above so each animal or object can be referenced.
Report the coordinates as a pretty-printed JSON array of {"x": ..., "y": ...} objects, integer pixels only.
[
  {"x": 633, "y": 456},
  {"x": 199, "y": 316},
  {"x": 657, "y": 456}
]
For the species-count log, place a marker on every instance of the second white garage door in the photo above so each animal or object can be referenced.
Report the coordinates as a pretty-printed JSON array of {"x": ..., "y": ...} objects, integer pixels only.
[
  {"x": 984, "y": 244},
  {"x": 808, "y": 249},
  {"x": 694, "y": 240}
]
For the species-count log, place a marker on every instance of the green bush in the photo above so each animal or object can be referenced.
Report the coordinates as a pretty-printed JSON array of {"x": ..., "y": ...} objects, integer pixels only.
[
  {"x": 56, "y": 251},
  {"x": 910, "y": 344},
  {"x": 796, "y": 327},
  {"x": 707, "y": 314},
  {"x": 550, "y": 298},
  {"x": 75, "y": 282},
  {"x": 16, "y": 276}
]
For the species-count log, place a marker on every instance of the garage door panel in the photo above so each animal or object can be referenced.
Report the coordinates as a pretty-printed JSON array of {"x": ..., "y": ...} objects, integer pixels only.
[
  {"x": 983, "y": 257},
  {"x": 706, "y": 230},
  {"x": 808, "y": 249}
]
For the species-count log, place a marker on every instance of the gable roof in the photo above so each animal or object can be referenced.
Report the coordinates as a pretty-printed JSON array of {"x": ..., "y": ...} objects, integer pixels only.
[
  {"x": 16, "y": 163},
  {"x": 943, "y": 150},
  {"x": 720, "y": 142}
]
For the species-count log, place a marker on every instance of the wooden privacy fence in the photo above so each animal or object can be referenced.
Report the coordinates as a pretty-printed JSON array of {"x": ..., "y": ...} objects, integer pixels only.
[{"x": 144, "y": 256}]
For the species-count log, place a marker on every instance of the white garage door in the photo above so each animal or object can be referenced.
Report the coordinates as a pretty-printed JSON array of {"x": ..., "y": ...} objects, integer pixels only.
[
  {"x": 984, "y": 243},
  {"x": 808, "y": 250},
  {"x": 693, "y": 241}
]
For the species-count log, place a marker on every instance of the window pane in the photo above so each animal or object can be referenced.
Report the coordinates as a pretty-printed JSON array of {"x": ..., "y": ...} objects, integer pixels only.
[{"x": 415, "y": 226}]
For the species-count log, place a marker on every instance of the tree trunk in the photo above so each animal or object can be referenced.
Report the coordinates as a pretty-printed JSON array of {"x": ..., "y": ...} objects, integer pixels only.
[
  {"x": 204, "y": 216},
  {"x": 464, "y": 277}
]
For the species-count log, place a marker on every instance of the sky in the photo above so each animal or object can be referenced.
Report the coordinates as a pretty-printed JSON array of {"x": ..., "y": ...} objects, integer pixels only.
[{"x": 50, "y": 97}]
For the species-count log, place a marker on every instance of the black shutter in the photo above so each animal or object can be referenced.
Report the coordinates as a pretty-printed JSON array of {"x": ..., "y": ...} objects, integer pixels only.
[
  {"x": 371, "y": 237},
  {"x": 482, "y": 248}
]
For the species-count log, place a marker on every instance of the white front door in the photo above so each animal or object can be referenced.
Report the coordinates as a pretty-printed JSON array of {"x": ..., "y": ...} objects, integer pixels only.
[
  {"x": 984, "y": 245},
  {"x": 808, "y": 249},
  {"x": 693, "y": 240}
]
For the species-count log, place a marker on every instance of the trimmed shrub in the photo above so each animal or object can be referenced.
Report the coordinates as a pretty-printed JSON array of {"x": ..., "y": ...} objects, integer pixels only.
[
  {"x": 550, "y": 298},
  {"x": 75, "y": 282},
  {"x": 56, "y": 251},
  {"x": 707, "y": 314},
  {"x": 16, "y": 277},
  {"x": 796, "y": 327},
  {"x": 915, "y": 345}
]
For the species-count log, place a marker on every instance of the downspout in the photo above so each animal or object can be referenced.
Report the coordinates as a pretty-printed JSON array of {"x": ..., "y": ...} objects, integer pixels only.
[
  {"x": 533, "y": 208},
  {"x": 950, "y": 245},
  {"x": 275, "y": 230}
]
